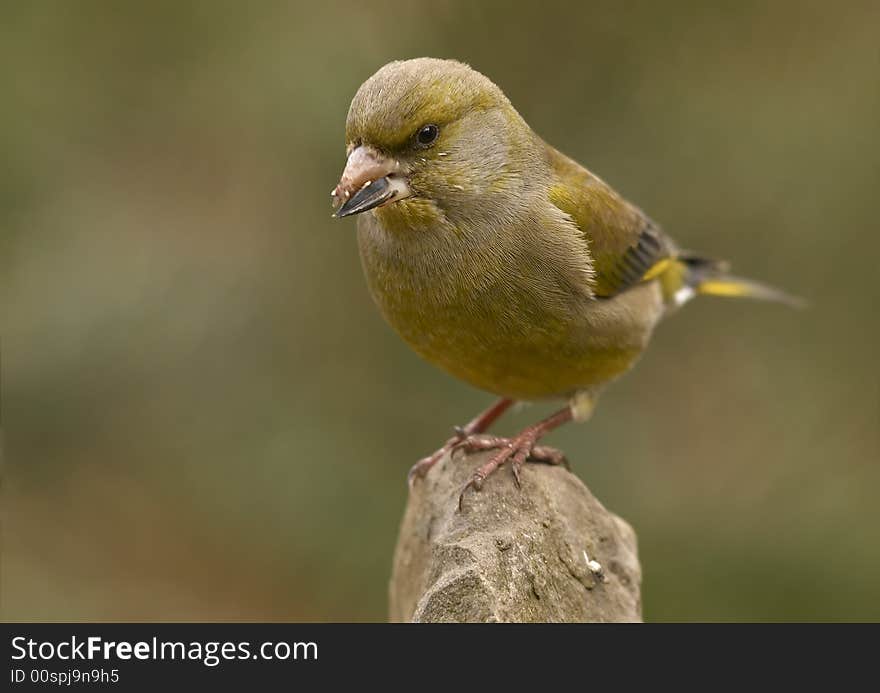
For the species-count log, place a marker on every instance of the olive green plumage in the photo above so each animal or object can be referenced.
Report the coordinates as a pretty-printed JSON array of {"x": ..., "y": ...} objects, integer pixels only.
[{"x": 507, "y": 264}]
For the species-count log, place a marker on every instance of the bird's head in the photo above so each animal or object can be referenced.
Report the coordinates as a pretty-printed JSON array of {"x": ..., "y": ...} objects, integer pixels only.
[{"x": 427, "y": 138}]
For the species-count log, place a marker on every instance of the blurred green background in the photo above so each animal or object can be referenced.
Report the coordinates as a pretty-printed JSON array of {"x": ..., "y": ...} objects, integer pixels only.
[{"x": 205, "y": 417}]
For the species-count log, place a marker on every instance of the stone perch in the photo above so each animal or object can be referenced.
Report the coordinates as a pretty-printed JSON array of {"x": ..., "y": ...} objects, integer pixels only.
[{"x": 550, "y": 552}]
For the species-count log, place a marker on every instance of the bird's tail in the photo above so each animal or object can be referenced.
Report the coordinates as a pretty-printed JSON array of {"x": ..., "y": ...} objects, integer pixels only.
[{"x": 688, "y": 275}]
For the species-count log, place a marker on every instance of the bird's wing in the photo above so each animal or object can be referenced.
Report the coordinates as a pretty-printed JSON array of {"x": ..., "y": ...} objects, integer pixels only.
[{"x": 626, "y": 247}]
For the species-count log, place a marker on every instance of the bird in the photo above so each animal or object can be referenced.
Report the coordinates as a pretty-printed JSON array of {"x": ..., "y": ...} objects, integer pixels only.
[{"x": 500, "y": 259}]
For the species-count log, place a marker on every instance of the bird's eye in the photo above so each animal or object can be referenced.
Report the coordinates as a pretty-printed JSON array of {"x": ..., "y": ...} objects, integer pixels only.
[{"x": 427, "y": 135}]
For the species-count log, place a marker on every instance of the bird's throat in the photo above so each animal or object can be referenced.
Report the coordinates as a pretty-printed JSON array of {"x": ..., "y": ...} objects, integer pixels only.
[{"x": 409, "y": 215}]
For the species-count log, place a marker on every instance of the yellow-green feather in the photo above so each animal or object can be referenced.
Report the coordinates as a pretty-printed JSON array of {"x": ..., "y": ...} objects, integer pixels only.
[{"x": 612, "y": 227}]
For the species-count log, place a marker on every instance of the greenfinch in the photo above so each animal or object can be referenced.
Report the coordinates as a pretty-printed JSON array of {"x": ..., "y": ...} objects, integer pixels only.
[{"x": 500, "y": 259}]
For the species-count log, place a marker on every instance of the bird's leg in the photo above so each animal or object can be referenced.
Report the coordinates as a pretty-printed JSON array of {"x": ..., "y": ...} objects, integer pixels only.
[
  {"x": 519, "y": 449},
  {"x": 539, "y": 453},
  {"x": 462, "y": 433}
]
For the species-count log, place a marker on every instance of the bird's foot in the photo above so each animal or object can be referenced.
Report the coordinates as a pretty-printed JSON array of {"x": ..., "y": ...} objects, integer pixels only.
[
  {"x": 475, "y": 442},
  {"x": 518, "y": 450},
  {"x": 420, "y": 468},
  {"x": 538, "y": 453},
  {"x": 462, "y": 433}
]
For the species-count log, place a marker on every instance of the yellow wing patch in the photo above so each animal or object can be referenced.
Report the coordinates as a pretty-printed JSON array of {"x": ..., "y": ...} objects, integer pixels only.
[{"x": 657, "y": 269}]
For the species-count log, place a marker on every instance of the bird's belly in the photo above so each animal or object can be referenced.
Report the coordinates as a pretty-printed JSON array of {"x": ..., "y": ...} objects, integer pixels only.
[
  {"x": 531, "y": 372},
  {"x": 495, "y": 349},
  {"x": 513, "y": 337}
]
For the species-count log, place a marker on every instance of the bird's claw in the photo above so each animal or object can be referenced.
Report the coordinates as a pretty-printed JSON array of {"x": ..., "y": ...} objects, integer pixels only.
[
  {"x": 475, "y": 482},
  {"x": 475, "y": 443},
  {"x": 517, "y": 450},
  {"x": 420, "y": 468},
  {"x": 514, "y": 467}
]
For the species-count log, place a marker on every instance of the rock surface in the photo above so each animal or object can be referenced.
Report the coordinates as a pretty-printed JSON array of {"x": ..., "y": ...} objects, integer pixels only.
[{"x": 548, "y": 552}]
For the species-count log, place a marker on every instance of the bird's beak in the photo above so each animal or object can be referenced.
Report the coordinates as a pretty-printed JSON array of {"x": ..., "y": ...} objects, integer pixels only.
[{"x": 369, "y": 180}]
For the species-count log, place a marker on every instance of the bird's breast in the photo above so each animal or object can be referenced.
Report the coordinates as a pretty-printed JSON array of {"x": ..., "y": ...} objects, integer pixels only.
[{"x": 502, "y": 312}]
